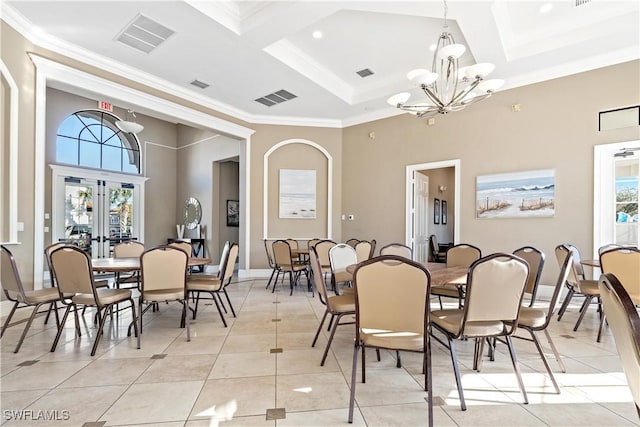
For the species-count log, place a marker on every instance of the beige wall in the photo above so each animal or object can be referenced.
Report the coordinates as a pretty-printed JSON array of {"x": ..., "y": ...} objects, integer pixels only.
[
  {"x": 291, "y": 157},
  {"x": 228, "y": 185},
  {"x": 13, "y": 48},
  {"x": 557, "y": 128},
  {"x": 442, "y": 177}
]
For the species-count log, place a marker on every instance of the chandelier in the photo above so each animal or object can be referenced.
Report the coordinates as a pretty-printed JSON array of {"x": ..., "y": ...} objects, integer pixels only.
[
  {"x": 129, "y": 125},
  {"x": 447, "y": 86}
]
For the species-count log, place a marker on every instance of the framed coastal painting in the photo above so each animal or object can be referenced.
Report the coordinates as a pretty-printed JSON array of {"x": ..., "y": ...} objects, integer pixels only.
[
  {"x": 233, "y": 213},
  {"x": 298, "y": 193},
  {"x": 443, "y": 212},
  {"x": 529, "y": 194},
  {"x": 436, "y": 211}
]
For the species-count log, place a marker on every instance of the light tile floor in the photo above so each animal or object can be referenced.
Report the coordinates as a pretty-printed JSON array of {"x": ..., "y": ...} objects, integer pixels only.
[{"x": 195, "y": 383}]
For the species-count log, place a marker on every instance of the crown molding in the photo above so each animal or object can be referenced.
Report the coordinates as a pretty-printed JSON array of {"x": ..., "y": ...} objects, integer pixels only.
[{"x": 26, "y": 29}]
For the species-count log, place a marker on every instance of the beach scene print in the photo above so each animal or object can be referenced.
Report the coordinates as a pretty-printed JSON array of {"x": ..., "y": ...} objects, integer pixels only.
[
  {"x": 516, "y": 195},
  {"x": 297, "y": 193}
]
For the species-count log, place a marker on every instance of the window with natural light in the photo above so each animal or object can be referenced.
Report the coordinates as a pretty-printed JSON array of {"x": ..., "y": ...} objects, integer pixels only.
[{"x": 90, "y": 138}]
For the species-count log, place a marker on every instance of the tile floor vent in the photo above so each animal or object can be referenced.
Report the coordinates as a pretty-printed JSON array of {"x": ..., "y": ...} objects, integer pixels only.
[
  {"x": 577, "y": 3},
  {"x": 201, "y": 85},
  {"x": 144, "y": 34},
  {"x": 277, "y": 97},
  {"x": 365, "y": 73}
]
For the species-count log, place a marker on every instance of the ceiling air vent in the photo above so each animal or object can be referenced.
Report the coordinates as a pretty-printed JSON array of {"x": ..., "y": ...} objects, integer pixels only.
[
  {"x": 201, "y": 85},
  {"x": 144, "y": 34},
  {"x": 276, "y": 98},
  {"x": 365, "y": 73},
  {"x": 577, "y": 3}
]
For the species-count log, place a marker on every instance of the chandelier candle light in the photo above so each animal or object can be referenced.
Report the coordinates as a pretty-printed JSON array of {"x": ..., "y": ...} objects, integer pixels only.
[{"x": 448, "y": 87}]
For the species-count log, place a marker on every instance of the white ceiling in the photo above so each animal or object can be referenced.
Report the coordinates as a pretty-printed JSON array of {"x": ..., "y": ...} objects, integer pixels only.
[{"x": 248, "y": 49}]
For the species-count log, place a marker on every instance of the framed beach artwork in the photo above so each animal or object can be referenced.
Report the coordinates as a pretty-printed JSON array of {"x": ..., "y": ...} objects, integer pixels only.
[
  {"x": 297, "y": 193},
  {"x": 529, "y": 194},
  {"x": 443, "y": 212},
  {"x": 436, "y": 211},
  {"x": 233, "y": 213}
]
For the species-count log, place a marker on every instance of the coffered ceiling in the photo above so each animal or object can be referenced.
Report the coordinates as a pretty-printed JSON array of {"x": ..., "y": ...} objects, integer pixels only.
[{"x": 249, "y": 50}]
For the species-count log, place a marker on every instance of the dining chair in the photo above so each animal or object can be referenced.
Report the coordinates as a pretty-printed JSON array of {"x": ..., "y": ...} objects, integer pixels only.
[
  {"x": 352, "y": 242},
  {"x": 495, "y": 290},
  {"x": 311, "y": 243},
  {"x": 163, "y": 279},
  {"x": 577, "y": 285},
  {"x": 438, "y": 252},
  {"x": 14, "y": 291},
  {"x": 184, "y": 246},
  {"x": 294, "y": 245},
  {"x": 397, "y": 249},
  {"x": 129, "y": 249},
  {"x": 365, "y": 249},
  {"x": 624, "y": 322},
  {"x": 216, "y": 284},
  {"x": 337, "y": 306},
  {"x": 322, "y": 248},
  {"x": 461, "y": 255},
  {"x": 535, "y": 259},
  {"x": 624, "y": 262},
  {"x": 399, "y": 323},
  {"x": 535, "y": 320},
  {"x": 341, "y": 256},
  {"x": 268, "y": 248},
  {"x": 77, "y": 287},
  {"x": 286, "y": 264}
]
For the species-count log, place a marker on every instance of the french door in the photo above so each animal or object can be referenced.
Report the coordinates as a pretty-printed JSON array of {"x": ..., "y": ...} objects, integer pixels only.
[{"x": 95, "y": 213}]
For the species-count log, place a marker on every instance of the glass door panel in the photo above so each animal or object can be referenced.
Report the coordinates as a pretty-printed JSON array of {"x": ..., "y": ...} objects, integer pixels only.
[
  {"x": 80, "y": 219},
  {"x": 626, "y": 200},
  {"x": 121, "y": 213}
]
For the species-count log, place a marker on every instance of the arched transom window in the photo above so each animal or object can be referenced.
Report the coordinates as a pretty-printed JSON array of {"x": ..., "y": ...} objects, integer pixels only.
[{"x": 90, "y": 138}]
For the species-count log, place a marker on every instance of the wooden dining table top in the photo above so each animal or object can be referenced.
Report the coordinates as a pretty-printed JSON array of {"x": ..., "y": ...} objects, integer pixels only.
[
  {"x": 441, "y": 275},
  {"x": 114, "y": 265}
]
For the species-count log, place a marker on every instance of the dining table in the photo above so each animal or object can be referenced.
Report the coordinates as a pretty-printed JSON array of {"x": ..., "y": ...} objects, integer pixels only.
[
  {"x": 441, "y": 275},
  {"x": 120, "y": 265}
]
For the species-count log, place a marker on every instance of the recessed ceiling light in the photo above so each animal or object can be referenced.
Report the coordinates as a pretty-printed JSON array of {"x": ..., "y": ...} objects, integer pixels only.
[
  {"x": 317, "y": 34},
  {"x": 432, "y": 48},
  {"x": 546, "y": 7}
]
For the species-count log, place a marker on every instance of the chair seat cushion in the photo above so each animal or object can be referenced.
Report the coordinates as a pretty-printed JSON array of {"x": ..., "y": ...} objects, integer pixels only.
[
  {"x": 451, "y": 321},
  {"x": 342, "y": 303},
  {"x": 532, "y": 317},
  {"x": 163, "y": 294},
  {"x": 101, "y": 283},
  {"x": 589, "y": 287},
  {"x": 210, "y": 284},
  {"x": 445, "y": 291},
  {"x": 392, "y": 339},
  {"x": 42, "y": 295},
  {"x": 342, "y": 276},
  {"x": 105, "y": 296}
]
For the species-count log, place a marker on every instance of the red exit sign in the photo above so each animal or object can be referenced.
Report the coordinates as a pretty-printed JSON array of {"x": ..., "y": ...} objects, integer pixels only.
[{"x": 104, "y": 105}]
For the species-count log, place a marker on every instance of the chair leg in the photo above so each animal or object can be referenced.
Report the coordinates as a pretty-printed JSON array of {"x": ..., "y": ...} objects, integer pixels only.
[
  {"x": 60, "y": 328},
  {"x": 6, "y": 322},
  {"x": 602, "y": 320},
  {"x": 185, "y": 302},
  {"x": 354, "y": 368},
  {"x": 516, "y": 367},
  {"x": 544, "y": 360},
  {"x": 428, "y": 379},
  {"x": 398, "y": 361},
  {"x": 103, "y": 318},
  {"x": 333, "y": 332},
  {"x": 77, "y": 320},
  {"x": 555, "y": 351},
  {"x": 456, "y": 372},
  {"x": 139, "y": 320},
  {"x": 133, "y": 316},
  {"x": 26, "y": 328},
  {"x": 229, "y": 301},
  {"x": 315, "y": 339},
  {"x": 583, "y": 311},
  {"x": 224, "y": 322},
  {"x": 271, "y": 278},
  {"x": 46, "y": 319},
  {"x": 565, "y": 303}
]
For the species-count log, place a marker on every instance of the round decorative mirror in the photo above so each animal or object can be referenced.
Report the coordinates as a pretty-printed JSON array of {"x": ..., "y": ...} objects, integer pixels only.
[{"x": 192, "y": 213}]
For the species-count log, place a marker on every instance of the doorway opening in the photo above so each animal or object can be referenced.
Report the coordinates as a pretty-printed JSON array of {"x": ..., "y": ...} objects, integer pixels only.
[{"x": 427, "y": 186}]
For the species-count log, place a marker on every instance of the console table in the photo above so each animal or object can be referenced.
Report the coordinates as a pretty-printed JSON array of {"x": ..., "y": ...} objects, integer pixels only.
[{"x": 197, "y": 248}]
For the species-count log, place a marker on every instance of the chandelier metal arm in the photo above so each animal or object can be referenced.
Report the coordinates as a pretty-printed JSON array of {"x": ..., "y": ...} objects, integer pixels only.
[
  {"x": 432, "y": 96},
  {"x": 465, "y": 92}
]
